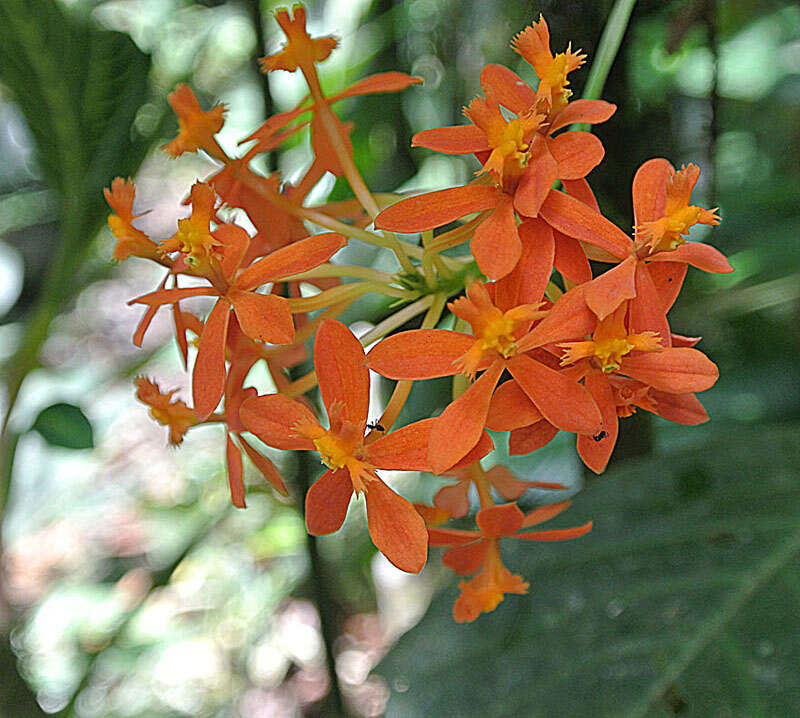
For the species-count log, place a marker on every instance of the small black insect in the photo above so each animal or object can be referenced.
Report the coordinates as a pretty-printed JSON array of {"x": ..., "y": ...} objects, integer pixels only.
[
  {"x": 599, "y": 437},
  {"x": 375, "y": 425}
]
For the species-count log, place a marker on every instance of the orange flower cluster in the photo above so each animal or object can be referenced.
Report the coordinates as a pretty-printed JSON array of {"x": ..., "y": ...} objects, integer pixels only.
[{"x": 539, "y": 343}]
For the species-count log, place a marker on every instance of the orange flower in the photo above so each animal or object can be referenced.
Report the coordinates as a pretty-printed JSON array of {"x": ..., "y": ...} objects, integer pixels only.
[
  {"x": 301, "y": 51},
  {"x": 479, "y": 551},
  {"x": 396, "y": 528},
  {"x": 131, "y": 242},
  {"x": 167, "y": 411},
  {"x": 196, "y": 128},
  {"x": 493, "y": 346}
]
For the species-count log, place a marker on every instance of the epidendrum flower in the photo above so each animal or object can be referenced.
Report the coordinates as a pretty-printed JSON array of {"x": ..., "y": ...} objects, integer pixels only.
[
  {"x": 396, "y": 528},
  {"x": 478, "y": 552}
]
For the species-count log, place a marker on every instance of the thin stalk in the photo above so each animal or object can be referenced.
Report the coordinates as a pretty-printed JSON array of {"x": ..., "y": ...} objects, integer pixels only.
[{"x": 343, "y": 270}]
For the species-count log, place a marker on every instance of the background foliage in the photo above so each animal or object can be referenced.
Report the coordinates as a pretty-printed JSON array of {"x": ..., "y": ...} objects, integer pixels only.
[{"x": 132, "y": 588}]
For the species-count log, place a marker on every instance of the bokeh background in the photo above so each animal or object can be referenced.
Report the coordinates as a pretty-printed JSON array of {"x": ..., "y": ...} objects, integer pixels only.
[{"x": 131, "y": 587}]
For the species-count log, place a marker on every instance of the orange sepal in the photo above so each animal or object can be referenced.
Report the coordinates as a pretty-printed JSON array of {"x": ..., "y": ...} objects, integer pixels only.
[
  {"x": 646, "y": 311},
  {"x": 496, "y": 243},
  {"x": 395, "y": 527},
  {"x": 569, "y": 318},
  {"x": 263, "y": 317},
  {"x": 596, "y": 452},
  {"x": 576, "y": 154},
  {"x": 296, "y": 258},
  {"x": 265, "y": 466},
  {"x": 404, "y": 449},
  {"x": 702, "y": 256},
  {"x": 562, "y": 401},
  {"x": 511, "y": 488},
  {"x": 683, "y": 409},
  {"x": 511, "y": 408},
  {"x": 460, "y": 425},
  {"x": 208, "y": 378},
  {"x": 342, "y": 375},
  {"x": 502, "y": 520},
  {"x": 604, "y": 294},
  {"x": 273, "y": 419},
  {"x": 327, "y": 501},
  {"x": 435, "y": 209},
  {"x": 531, "y": 438},
  {"x": 535, "y": 183},
  {"x": 590, "y": 112},
  {"x": 236, "y": 482},
  {"x": 677, "y": 370},
  {"x": 457, "y": 140},
  {"x": 570, "y": 260},
  {"x": 419, "y": 354},
  {"x": 544, "y": 513},
  {"x": 650, "y": 190},
  {"x": 379, "y": 82},
  {"x": 508, "y": 88},
  {"x": 467, "y": 558},
  {"x": 556, "y": 534},
  {"x": 668, "y": 279}
]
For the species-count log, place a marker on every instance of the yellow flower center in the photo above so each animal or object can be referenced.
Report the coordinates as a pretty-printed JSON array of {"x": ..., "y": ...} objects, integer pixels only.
[
  {"x": 609, "y": 352},
  {"x": 498, "y": 335},
  {"x": 194, "y": 241},
  {"x": 333, "y": 452}
]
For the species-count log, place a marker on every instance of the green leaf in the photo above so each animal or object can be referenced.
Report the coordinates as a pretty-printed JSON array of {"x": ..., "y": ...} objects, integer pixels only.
[
  {"x": 65, "y": 425},
  {"x": 682, "y": 600}
]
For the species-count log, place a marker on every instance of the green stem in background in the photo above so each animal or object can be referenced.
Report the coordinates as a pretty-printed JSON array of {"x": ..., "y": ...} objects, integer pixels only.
[{"x": 607, "y": 50}]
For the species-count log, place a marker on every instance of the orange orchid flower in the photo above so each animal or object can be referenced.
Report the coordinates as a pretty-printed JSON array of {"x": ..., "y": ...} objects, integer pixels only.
[
  {"x": 131, "y": 242},
  {"x": 167, "y": 411},
  {"x": 397, "y": 530},
  {"x": 301, "y": 51},
  {"x": 479, "y": 551},
  {"x": 196, "y": 126},
  {"x": 493, "y": 347}
]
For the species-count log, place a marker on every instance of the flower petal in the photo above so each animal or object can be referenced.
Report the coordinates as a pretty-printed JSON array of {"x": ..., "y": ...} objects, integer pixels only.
[
  {"x": 511, "y": 408},
  {"x": 650, "y": 190},
  {"x": 453, "y": 499},
  {"x": 404, "y": 449},
  {"x": 580, "y": 190},
  {"x": 460, "y": 425},
  {"x": 502, "y": 520},
  {"x": 562, "y": 401},
  {"x": 379, "y": 82},
  {"x": 683, "y": 409},
  {"x": 293, "y": 259},
  {"x": 342, "y": 374},
  {"x": 535, "y": 183},
  {"x": 508, "y": 88},
  {"x": 702, "y": 256},
  {"x": 419, "y": 354},
  {"x": 265, "y": 466},
  {"x": 273, "y": 419},
  {"x": 208, "y": 377},
  {"x": 544, "y": 513},
  {"x": 668, "y": 279},
  {"x": 677, "y": 370},
  {"x": 467, "y": 558},
  {"x": 234, "y": 461},
  {"x": 457, "y": 140},
  {"x": 527, "y": 439},
  {"x": 451, "y": 537},
  {"x": 575, "y": 219},
  {"x": 556, "y": 534},
  {"x": 496, "y": 243},
  {"x": 605, "y": 293},
  {"x": 570, "y": 259},
  {"x": 526, "y": 284},
  {"x": 569, "y": 319},
  {"x": 263, "y": 317},
  {"x": 590, "y": 112},
  {"x": 327, "y": 501},
  {"x": 646, "y": 311},
  {"x": 576, "y": 154},
  {"x": 435, "y": 209},
  {"x": 596, "y": 450},
  {"x": 396, "y": 529}
]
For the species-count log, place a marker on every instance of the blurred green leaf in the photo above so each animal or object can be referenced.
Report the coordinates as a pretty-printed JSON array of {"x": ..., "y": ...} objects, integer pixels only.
[
  {"x": 678, "y": 601},
  {"x": 65, "y": 425}
]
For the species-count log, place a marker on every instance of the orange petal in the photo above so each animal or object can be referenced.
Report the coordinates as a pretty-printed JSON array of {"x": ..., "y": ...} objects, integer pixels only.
[
  {"x": 458, "y": 140},
  {"x": 510, "y": 487},
  {"x": 575, "y": 219},
  {"x": 590, "y": 112},
  {"x": 435, "y": 209},
  {"x": 395, "y": 527},
  {"x": 379, "y": 82},
  {"x": 596, "y": 451},
  {"x": 604, "y": 294},
  {"x": 263, "y": 317},
  {"x": 405, "y": 449},
  {"x": 295, "y": 258},
  {"x": 650, "y": 190},
  {"x": 570, "y": 259},
  {"x": 683, "y": 409},
  {"x": 496, "y": 244},
  {"x": 467, "y": 558},
  {"x": 511, "y": 408},
  {"x": 208, "y": 378},
  {"x": 454, "y": 499},
  {"x": 576, "y": 153},
  {"x": 668, "y": 279},
  {"x": 531, "y": 438},
  {"x": 234, "y": 461},
  {"x": 544, "y": 513},
  {"x": 535, "y": 183},
  {"x": 562, "y": 401},
  {"x": 235, "y": 243},
  {"x": 580, "y": 189},
  {"x": 502, "y": 520},
  {"x": 461, "y": 424},
  {"x": 419, "y": 354},
  {"x": 569, "y": 318},
  {"x": 646, "y": 311},
  {"x": 702, "y": 256},
  {"x": 556, "y": 534},
  {"x": 342, "y": 374},
  {"x": 677, "y": 370},
  {"x": 536, "y": 263},
  {"x": 451, "y": 537},
  {"x": 327, "y": 501},
  {"x": 265, "y": 466},
  {"x": 170, "y": 296},
  {"x": 273, "y": 419},
  {"x": 508, "y": 88},
  {"x": 484, "y": 447}
]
